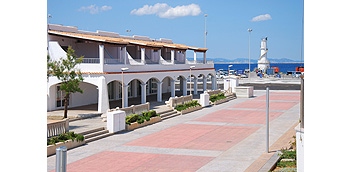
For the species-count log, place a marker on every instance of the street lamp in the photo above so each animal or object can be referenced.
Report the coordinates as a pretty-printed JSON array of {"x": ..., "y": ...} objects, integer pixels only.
[
  {"x": 249, "y": 30},
  {"x": 128, "y": 32},
  {"x": 206, "y": 15},
  {"x": 228, "y": 70},
  {"x": 190, "y": 79},
  {"x": 123, "y": 91}
]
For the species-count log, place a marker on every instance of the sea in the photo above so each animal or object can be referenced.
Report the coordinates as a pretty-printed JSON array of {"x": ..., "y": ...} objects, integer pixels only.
[{"x": 283, "y": 67}]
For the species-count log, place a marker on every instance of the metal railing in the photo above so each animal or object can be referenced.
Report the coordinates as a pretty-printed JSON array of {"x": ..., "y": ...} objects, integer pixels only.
[{"x": 91, "y": 60}]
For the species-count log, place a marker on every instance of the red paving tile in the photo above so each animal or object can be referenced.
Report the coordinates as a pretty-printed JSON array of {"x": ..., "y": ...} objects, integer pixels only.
[
  {"x": 280, "y": 97},
  {"x": 262, "y": 105},
  {"x": 194, "y": 136},
  {"x": 295, "y": 93},
  {"x": 111, "y": 161},
  {"x": 239, "y": 116}
]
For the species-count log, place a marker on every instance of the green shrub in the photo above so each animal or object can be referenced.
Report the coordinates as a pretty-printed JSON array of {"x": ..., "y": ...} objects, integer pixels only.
[
  {"x": 216, "y": 97},
  {"x": 181, "y": 107},
  {"x": 132, "y": 118},
  {"x": 64, "y": 137}
]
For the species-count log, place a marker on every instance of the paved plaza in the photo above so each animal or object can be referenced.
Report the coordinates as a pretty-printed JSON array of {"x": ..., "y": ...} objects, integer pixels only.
[{"x": 226, "y": 137}]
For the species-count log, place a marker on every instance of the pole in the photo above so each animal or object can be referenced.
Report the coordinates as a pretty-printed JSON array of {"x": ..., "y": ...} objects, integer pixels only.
[
  {"x": 249, "y": 30},
  {"x": 302, "y": 103},
  {"x": 267, "y": 119},
  {"x": 61, "y": 159},
  {"x": 205, "y": 30},
  {"x": 123, "y": 92},
  {"x": 190, "y": 81}
]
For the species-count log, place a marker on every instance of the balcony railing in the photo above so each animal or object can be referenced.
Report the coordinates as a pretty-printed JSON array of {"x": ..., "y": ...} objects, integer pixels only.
[
  {"x": 147, "y": 61},
  {"x": 91, "y": 60}
]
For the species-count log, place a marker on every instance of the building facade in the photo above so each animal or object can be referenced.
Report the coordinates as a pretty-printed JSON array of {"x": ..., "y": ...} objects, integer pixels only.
[{"x": 154, "y": 67}]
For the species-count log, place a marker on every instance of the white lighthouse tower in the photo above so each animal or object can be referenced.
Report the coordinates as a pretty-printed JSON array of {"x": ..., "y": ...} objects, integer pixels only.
[{"x": 263, "y": 62}]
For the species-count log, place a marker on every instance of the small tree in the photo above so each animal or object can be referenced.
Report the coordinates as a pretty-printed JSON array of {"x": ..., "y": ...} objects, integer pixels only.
[{"x": 66, "y": 71}]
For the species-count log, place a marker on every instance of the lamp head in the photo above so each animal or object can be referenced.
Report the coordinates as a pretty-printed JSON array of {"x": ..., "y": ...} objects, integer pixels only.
[{"x": 124, "y": 69}]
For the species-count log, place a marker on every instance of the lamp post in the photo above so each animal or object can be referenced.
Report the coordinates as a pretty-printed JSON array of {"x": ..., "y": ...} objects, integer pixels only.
[
  {"x": 128, "y": 32},
  {"x": 206, "y": 15},
  {"x": 190, "y": 80},
  {"x": 228, "y": 70},
  {"x": 123, "y": 90},
  {"x": 249, "y": 30}
]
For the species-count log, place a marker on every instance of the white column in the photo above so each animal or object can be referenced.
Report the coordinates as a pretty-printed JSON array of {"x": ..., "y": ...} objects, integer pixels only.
[
  {"x": 159, "y": 56},
  {"x": 172, "y": 88},
  {"x": 119, "y": 54},
  {"x": 117, "y": 92},
  {"x": 143, "y": 55},
  {"x": 134, "y": 88},
  {"x": 184, "y": 85},
  {"x": 204, "y": 83},
  {"x": 124, "y": 55},
  {"x": 172, "y": 56},
  {"x": 101, "y": 57},
  {"x": 213, "y": 83},
  {"x": 125, "y": 98},
  {"x": 195, "y": 92},
  {"x": 143, "y": 93},
  {"x": 159, "y": 92},
  {"x": 184, "y": 55},
  {"x": 103, "y": 97},
  {"x": 194, "y": 56}
]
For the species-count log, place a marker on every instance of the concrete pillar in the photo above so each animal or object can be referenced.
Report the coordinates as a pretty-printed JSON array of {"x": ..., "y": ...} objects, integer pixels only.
[
  {"x": 159, "y": 91},
  {"x": 204, "y": 83},
  {"x": 134, "y": 88},
  {"x": 117, "y": 92},
  {"x": 125, "y": 92},
  {"x": 204, "y": 58},
  {"x": 101, "y": 57},
  {"x": 143, "y": 93},
  {"x": 172, "y": 56},
  {"x": 213, "y": 83},
  {"x": 159, "y": 56},
  {"x": 195, "y": 92},
  {"x": 184, "y": 55},
  {"x": 124, "y": 55},
  {"x": 184, "y": 86},
  {"x": 172, "y": 88},
  {"x": 143, "y": 55},
  {"x": 194, "y": 56},
  {"x": 103, "y": 97}
]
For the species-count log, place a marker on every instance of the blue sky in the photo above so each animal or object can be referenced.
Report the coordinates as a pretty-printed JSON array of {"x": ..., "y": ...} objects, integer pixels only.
[{"x": 183, "y": 22}]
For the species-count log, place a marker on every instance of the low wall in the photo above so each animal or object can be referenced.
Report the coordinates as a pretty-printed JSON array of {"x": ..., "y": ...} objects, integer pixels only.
[
  {"x": 212, "y": 92},
  {"x": 174, "y": 101},
  {"x": 133, "y": 109},
  {"x": 56, "y": 128}
]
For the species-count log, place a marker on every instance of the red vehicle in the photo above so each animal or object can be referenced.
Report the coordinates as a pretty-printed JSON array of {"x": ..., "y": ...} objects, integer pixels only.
[
  {"x": 276, "y": 69},
  {"x": 301, "y": 69}
]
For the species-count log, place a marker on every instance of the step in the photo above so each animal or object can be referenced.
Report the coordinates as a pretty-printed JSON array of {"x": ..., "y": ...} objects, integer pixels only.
[
  {"x": 91, "y": 131},
  {"x": 95, "y": 134},
  {"x": 170, "y": 116},
  {"x": 165, "y": 111},
  {"x": 168, "y": 113},
  {"x": 98, "y": 137}
]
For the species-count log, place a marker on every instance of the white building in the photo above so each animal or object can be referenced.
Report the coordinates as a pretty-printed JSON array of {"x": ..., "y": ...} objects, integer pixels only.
[
  {"x": 263, "y": 62},
  {"x": 154, "y": 66}
]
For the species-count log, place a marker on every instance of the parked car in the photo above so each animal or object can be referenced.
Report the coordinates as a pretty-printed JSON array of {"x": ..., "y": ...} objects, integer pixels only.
[{"x": 244, "y": 75}]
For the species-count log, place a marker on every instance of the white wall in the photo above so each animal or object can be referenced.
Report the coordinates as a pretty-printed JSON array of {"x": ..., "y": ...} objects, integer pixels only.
[
  {"x": 89, "y": 96},
  {"x": 165, "y": 85}
]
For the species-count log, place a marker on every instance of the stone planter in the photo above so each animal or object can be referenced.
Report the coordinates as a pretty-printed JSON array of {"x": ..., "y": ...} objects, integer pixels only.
[
  {"x": 51, "y": 149},
  {"x": 220, "y": 101},
  {"x": 191, "y": 109},
  {"x": 136, "y": 125}
]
